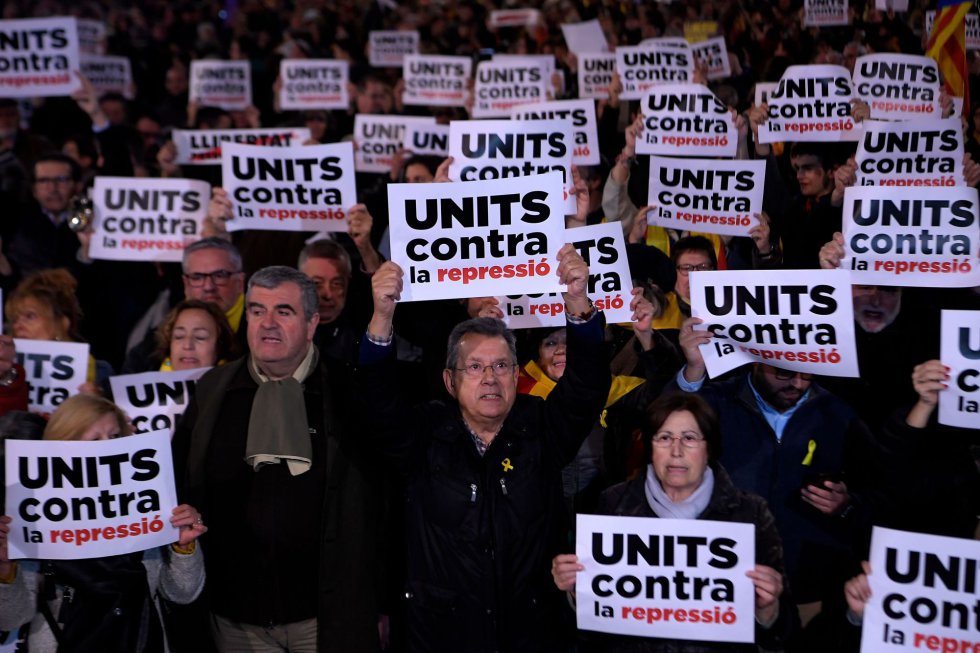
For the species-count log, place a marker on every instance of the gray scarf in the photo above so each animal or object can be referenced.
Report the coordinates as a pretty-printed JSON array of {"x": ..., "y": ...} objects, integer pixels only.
[{"x": 689, "y": 508}]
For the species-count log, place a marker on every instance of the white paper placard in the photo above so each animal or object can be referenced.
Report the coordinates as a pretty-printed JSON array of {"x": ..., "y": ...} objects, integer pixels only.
[
  {"x": 154, "y": 401},
  {"x": 595, "y": 73},
  {"x": 91, "y": 36},
  {"x": 713, "y": 53},
  {"x": 892, "y": 5},
  {"x": 959, "y": 349},
  {"x": 918, "y": 153},
  {"x": 313, "y": 84},
  {"x": 377, "y": 137},
  {"x": 586, "y": 36},
  {"x": 203, "y": 147},
  {"x": 898, "y": 86},
  {"x": 824, "y": 13},
  {"x": 387, "y": 49},
  {"x": 642, "y": 67},
  {"x": 426, "y": 138},
  {"x": 53, "y": 371},
  {"x": 686, "y": 120},
  {"x": 811, "y": 103},
  {"x": 223, "y": 84},
  {"x": 763, "y": 90},
  {"x": 436, "y": 81},
  {"x": 39, "y": 57},
  {"x": 108, "y": 74},
  {"x": 503, "y": 84},
  {"x": 514, "y": 18},
  {"x": 582, "y": 114}
]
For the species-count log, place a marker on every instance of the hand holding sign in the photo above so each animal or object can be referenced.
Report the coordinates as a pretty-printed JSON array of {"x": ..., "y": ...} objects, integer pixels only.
[
  {"x": 832, "y": 252},
  {"x": 190, "y": 523},
  {"x": 857, "y": 591},
  {"x": 690, "y": 342},
  {"x": 386, "y": 289},
  {"x": 760, "y": 234},
  {"x": 573, "y": 273},
  {"x": 768, "y": 586},
  {"x": 219, "y": 212},
  {"x": 564, "y": 569},
  {"x": 642, "y": 319},
  {"x": 844, "y": 176},
  {"x": 928, "y": 379}
]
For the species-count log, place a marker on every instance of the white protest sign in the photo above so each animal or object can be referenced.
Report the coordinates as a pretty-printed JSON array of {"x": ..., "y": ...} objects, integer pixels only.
[
  {"x": 108, "y": 74},
  {"x": 54, "y": 370},
  {"x": 595, "y": 73},
  {"x": 603, "y": 248},
  {"x": 706, "y": 195},
  {"x": 498, "y": 149},
  {"x": 688, "y": 120},
  {"x": 154, "y": 401},
  {"x": 666, "y": 578},
  {"x": 959, "y": 349},
  {"x": 798, "y": 320},
  {"x": 898, "y": 86},
  {"x": 386, "y": 49},
  {"x": 923, "y": 594},
  {"x": 582, "y": 115},
  {"x": 892, "y": 5},
  {"x": 224, "y": 84},
  {"x": 72, "y": 500},
  {"x": 91, "y": 36},
  {"x": 313, "y": 84},
  {"x": 436, "y": 81},
  {"x": 514, "y": 18},
  {"x": 912, "y": 236},
  {"x": 142, "y": 219},
  {"x": 811, "y": 103},
  {"x": 713, "y": 53},
  {"x": 504, "y": 83},
  {"x": 39, "y": 57},
  {"x": 763, "y": 90},
  {"x": 477, "y": 239},
  {"x": 822, "y": 13},
  {"x": 583, "y": 37},
  {"x": 925, "y": 152},
  {"x": 377, "y": 137},
  {"x": 675, "y": 42},
  {"x": 203, "y": 147},
  {"x": 306, "y": 188},
  {"x": 642, "y": 67},
  {"x": 426, "y": 138},
  {"x": 972, "y": 28}
]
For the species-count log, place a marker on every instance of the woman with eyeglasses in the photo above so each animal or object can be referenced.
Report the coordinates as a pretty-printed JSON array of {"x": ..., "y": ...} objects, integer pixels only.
[{"x": 684, "y": 480}]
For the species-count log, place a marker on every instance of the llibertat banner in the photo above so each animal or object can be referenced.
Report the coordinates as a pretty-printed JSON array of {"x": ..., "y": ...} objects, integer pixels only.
[
  {"x": 686, "y": 120},
  {"x": 141, "y": 219},
  {"x": 503, "y": 84},
  {"x": 72, "y": 500},
  {"x": 223, "y": 84},
  {"x": 641, "y": 67},
  {"x": 378, "y": 137},
  {"x": 197, "y": 147},
  {"x": 307, "y": 188},
  {"x": 798, "y": 320},
  {"x": 54, "y": 370},
  {"x": 677, "y": 579},
  {"x": 154, "y": 401},
  {"x": 603, "y": 249},
  {"x": 387, "y": 49},
  {"x": 436, "y": 80},
  {"x": 811, "y": 103},
  {"x": 582, "y": 115},
  {"x": 479, "y": 238},
  {"x": 926, "y": 152},
  {"x": 313, "y": 84},
  {"x": 959, "y": 350},
  {"x": 927, "y": 237},
  {"x": 39, "y": 57},
  {"x": 595, "y": 74},
  {"x": 706, "y": 195},
  {"x": 898, "y": 86}
]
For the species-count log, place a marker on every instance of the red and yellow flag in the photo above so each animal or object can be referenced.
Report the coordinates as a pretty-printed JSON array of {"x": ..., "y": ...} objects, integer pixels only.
[{"x": 947, "y": 45}]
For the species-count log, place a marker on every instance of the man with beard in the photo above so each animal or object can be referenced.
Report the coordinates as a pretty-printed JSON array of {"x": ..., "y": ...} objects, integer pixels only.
[{"x": 805, "y": 451}]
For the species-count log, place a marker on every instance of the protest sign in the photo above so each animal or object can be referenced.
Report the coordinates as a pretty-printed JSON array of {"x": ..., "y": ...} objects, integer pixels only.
[
  {"x": 582, "y": 114},
  {"x": 822, "y": 13},
  {"x": 53, "y": 371},
  {"x": 387, "y": 49},
  {"x": 203, "y": 147},
  {"x": 688, "y": 120},
  {"x": 706, "y": 195},
  {"x": 39, "y": 57},
  {"x": 514, "y": 18},
  {"x": 377, "y": 137},
  {"x": 584, "y": 37},
  {"x": 224, "y": 84},
  {"x": 642, "y": 67},
  {"x": 923, "y": 594},
  {"x": 972, "y": 28},
  {"x": 924, "y": 152},
  {"x": 313, "y": 84},
  {"x": 91, "y": 36},
  {"x": 666, "y": 578},
  {"x": 713, "y": 53},
  {"x": 306, "y": 188},
  {"x": 498, "y": 149},
  {"x": 504, "y": 83},
  {"x": 477, "y": 239},
  {"x": 898, "y": 86},
  {"x": 108, "y": 74},
  {"x": 798, "y": 320},
  {"x": 72, "y": 500},
  {"x": 763, "y": 90},
  {"x": 436, "y": 81},
  {"x": 603, "y": 248},
  {"x": 141, "y": 219},
  {"x": 811, "y": 103},
  {"x": 426, "y": 138},
  {"x": 595, "y": 73},
  {"x": 892, "y": 5},
  {"x": 959, "y": 350},
  {"x": 912, "y": 236},
  {"x": 154, "y": 401},
  {"x": 696, "y": 31}
]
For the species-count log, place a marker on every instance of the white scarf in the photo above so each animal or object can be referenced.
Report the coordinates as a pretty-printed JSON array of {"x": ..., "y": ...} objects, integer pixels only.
[{"x": 689, "y": 508}]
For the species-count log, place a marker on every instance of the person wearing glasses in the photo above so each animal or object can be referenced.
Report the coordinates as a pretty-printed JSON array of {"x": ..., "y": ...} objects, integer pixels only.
[
  {"x": 685, "y": 480},
  {"x": 689, "y": 254},
  {"x": 483, "y": 500},
  {"x": 806, "y": 452}
]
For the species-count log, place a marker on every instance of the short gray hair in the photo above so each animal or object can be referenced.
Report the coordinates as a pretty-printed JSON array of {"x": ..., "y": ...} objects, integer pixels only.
[
  {"x": 274, "y": 276},
  {"x": 326, "y": 249},
  {"x": 214, "y": 243},
  {"x": 482, "y": 326}
]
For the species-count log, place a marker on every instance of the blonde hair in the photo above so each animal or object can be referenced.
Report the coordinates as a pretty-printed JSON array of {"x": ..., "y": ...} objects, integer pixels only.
[
  {"x": 77, "y": 414},
  {"x": 54, "y": 289}
]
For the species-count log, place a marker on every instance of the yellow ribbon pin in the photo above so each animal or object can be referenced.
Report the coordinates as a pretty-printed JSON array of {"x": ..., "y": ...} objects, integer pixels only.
[
  {"x": 810, "y": 448},
  {"x": 506, "y": 464}
]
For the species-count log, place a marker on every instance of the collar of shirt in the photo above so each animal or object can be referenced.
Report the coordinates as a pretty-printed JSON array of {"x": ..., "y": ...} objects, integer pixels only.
[{"x": 776, "y": 420}]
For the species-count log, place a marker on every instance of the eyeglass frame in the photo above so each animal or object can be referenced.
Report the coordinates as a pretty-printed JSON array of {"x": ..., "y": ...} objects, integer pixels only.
[
  {"x": 53, "y": 181},
  {"x": 687, "y": 268},
  {"x": 499, "y": 369},
  {"x": 218, "y": 278},
  {"x": 693, "y": 442},
  {"x": 786, "y": 375}
]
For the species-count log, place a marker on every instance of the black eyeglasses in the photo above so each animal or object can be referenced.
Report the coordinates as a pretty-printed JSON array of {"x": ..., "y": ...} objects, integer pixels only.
[
  {"x": 688, "y": 268},
  {"x": 218, "y": 278},
  {"x": 45, "y": 181},
  {"x": 786, "y": 375},
  {"x": 477, "y": 370}
]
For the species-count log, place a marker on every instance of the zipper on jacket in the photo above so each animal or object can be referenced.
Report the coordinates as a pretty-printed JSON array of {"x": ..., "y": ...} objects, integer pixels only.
[
  {"x": 472, "y": 492},
  {"x": 503, "y": 485}
]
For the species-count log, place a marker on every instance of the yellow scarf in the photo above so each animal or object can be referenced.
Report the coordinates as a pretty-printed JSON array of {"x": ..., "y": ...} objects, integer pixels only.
[
  {"x": 621, "y": 386},
  {"x": 234, "y": 314}
]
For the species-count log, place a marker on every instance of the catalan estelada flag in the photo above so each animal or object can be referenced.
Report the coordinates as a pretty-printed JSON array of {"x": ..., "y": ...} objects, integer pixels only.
[{"x": 947, "y": 45}]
